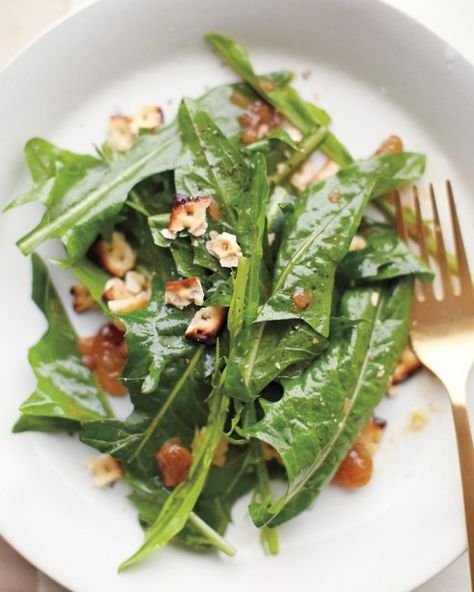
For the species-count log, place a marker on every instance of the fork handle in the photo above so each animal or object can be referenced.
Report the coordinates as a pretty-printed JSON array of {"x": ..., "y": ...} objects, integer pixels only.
[{"x": 466, "y": 460}]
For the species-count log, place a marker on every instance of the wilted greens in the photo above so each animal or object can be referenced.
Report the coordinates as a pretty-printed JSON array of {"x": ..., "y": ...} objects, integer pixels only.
[{"x": 262, "y": 323}]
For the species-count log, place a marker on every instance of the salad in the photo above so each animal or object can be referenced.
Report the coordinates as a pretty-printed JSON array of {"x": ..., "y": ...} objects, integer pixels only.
[{"x": 255, "y": 305}]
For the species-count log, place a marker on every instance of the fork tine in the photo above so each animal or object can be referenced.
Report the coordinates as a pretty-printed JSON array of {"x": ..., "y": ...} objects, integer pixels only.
[
  {"x": 400, "y": 217},
  {"x": 440, "y": 247},
  {"x": 463, "y": 265},
  {"x": 421, "y": 233}
]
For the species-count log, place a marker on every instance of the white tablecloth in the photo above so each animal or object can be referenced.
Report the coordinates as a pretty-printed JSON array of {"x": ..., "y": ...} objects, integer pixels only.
[{"x": 21, "y": 20}]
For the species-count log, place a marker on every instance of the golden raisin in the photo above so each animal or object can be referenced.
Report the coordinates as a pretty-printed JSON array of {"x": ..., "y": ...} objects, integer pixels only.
[
  {"x": 356, "y": 469},
  {"x": 258, "y": 121},
  {"x": 389, "y": 146},
  {"x": 301, "y": 298},
  {"x": 174, "y": 462},
  {"x": 105, "y": 354}
]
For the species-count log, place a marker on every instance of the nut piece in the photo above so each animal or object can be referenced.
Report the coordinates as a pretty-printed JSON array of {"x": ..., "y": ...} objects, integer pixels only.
[
  {"x": 329, "y": 169},
  {"x": 389, "y": 146},
  {"x": 303, "y": 176},
  {"x": 117, "y": 257},
  {"x": 105, "y": 470},
  {"x": 82, "y": 299},
  {"x": 182, "y": 293},
  {"x": 358, "y": 243},
  {"x": 407, "y": 365},
  {"x": 224, "y": 247},
  {"x": 119, "y": 133},
  {"x": 187, "y": 214},
  {"x": 147, "y": 117},
  {"x": 127, "y": 295},
  {"x": 220, "y": 455},
  {"x": 206, "y": 324}
]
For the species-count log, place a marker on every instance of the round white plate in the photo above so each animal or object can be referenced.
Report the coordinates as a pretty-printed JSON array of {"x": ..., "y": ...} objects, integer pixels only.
[{"x": 377, "y": 72}]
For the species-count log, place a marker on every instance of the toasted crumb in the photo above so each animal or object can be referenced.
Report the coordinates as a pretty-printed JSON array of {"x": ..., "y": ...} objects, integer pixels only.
[
  {"x": 418, "y": 419},
  {"x": 105, "y": 470},
  {"x": 358, "y": 243}
]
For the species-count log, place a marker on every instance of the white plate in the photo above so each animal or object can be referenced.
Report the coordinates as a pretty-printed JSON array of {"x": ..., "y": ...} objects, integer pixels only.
[{"x": 377, "y": 72}]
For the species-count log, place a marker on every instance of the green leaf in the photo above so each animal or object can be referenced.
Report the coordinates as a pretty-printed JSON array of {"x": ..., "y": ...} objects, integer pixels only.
[
  {"x": 224, "y": 486},
  {"x": 66, "y": 389},
  {"x": 44, "y": 161},
  {"x": 210, "y": 164},
  {"x": 385, "y": 257},
  {"x": 149, "y": 498},
  {"x": 174, "y": 410},
  {"x": 259, "y": 352},
  {"x": 155, "y": 338},
  {"x": 181, "y": 501},
  {"x": 319, "y": 232},
  {"x": 81, "y": 204},
  {"x": 284, "y": 98},
  {"x": 321, "y": 412},
  {"x": 84, "y": 193},
  {"x": 37, "y": 423},
  {"x": 94, "y": 278}
]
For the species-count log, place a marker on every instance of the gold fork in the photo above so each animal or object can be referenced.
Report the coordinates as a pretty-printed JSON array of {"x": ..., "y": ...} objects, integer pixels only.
[{"x": 442, "y": 336}]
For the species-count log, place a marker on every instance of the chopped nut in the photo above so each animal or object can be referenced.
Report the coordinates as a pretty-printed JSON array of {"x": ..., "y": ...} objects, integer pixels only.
[
  {"x": 127, "y": 295},
  {"x": 293, "y": 132},
  {"x": 358, "y": 243},
  {"x": 407, "y": 365},
  {"x": 329, "y": 169},
  {"x": 206, "y": 324},
  {"x": 418, "y": 419},
  {"x": 392, "y": 391},
  {"x": 117, "y": 257},
  {"x": 82, "y": 299},
  {"x": 220, "y": 455},
  {"x": 119, "y": 134},
  {"x": 224, "y": 247},
  {"x": 105, "y": 470},
  {"x": 187, "y": 214},
  {"x": 269, "y": 453},
  {"x": 182, "y": 293},
  {"x": 147, "y": 117},
  {"x": 303, "y": 176},
  {"x": 389, "y": 146}
]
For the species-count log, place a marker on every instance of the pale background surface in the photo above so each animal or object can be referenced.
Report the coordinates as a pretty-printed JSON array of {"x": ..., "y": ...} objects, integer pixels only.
[{"x": 22, "y": 20}]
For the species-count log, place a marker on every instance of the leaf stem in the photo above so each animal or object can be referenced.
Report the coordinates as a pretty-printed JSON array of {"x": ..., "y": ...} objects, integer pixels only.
[
  {"x": 268, "y": 535},
  {"x": 307, "y": 147},
  {"x": 212, "y": 536},
  {"x": 269, "y": 540}
]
